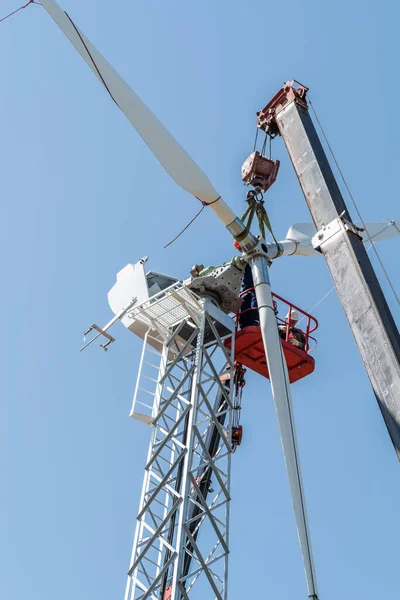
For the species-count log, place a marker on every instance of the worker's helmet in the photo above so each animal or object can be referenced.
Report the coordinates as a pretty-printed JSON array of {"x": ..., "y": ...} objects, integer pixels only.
[
  {"x": 292, "y": 316},
  {"x": 237, "y": 245}
]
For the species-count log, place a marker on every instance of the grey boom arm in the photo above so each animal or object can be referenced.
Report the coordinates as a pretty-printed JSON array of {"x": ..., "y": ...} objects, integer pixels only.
[{"x": 358, "y": 288}]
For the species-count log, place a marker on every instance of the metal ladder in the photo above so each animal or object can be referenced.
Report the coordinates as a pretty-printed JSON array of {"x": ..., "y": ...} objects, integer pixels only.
[{"x": 144, "y": 406}]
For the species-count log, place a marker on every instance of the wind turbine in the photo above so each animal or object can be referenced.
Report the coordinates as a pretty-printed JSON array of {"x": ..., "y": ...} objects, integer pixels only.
[
  {"x": 256, "y": 251},
  {"x": 190, "y": 177}
]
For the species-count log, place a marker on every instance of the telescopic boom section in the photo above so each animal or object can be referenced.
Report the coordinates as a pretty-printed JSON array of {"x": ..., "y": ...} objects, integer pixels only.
[{"x": 367, "y": 311}]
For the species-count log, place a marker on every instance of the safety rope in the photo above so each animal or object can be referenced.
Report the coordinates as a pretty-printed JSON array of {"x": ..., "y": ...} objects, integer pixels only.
[
  {"x": 333, "y": 288},
  {"x": 78, "y": 33},
  {"x": 192, "y": 220},
  {"x": 317, "y": 304},
  {"x": 354, "y": 202},
  {"x": 14, "y": 12},
  {"x": 256, "y": 207}
]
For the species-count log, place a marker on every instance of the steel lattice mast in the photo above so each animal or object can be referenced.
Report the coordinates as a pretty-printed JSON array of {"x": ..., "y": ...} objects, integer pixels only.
[{"x": 187, "y": 474}]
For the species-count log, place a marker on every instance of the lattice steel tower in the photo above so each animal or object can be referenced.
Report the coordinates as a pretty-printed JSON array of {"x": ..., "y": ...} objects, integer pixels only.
[{"x": 184, "y": 393}]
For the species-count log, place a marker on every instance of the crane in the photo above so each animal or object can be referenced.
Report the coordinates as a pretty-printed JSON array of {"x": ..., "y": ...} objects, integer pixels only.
[{"x": 337, "y": 239}]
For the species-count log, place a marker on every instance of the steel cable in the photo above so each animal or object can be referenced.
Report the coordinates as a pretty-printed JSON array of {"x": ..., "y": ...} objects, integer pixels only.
[
  {"x": 332, "y": 288},
  {"x": 14, "y": 12},
  {"x": 354, "y": 202}
]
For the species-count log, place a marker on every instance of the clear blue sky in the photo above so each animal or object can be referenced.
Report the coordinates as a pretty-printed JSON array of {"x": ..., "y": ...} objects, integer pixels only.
[{"x": 82, "y": 196}]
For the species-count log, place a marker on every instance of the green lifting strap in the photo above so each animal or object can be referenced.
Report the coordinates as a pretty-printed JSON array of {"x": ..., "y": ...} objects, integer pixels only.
[
  {"x": 249, "y": 214},
  {"x": 257, "y": 207}
]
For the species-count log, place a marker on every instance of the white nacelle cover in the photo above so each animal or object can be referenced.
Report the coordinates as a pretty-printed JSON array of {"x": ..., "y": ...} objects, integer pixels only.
[
  {"x": 134, "y": 282},
  {"x": 131, "y": 283}
]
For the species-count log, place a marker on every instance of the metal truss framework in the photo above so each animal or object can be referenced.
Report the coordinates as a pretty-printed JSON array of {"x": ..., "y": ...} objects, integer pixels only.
[{"x": 187, "y": 475}]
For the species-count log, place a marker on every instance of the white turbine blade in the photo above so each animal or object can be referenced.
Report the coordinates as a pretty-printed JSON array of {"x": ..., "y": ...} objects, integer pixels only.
[
  {"x": 281, "y": 392},
  {"x": 375, "y": 232},
  {"x": 301, "y": 232},
  {"x": 175, "y": 160}
]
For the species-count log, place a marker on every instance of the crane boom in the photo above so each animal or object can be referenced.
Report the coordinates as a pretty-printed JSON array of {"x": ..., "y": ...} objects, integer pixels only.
[{"x": 339, "y": 241}]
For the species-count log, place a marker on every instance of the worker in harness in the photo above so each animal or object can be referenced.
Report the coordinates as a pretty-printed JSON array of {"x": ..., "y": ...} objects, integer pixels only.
[
  {"x": 295, "y": 335},
  {"x": 248, "y": 315}
]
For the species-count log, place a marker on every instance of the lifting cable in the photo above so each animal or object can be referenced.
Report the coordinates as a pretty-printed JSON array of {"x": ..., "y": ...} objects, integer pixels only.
[
  {"x": 264, "y": 145},
  {"x": 14, "y": 12},
  {"x": 354, "y": 202}
]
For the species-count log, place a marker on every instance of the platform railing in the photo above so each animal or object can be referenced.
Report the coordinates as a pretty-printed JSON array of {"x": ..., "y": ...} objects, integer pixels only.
[{"x": 312, "y": 323}]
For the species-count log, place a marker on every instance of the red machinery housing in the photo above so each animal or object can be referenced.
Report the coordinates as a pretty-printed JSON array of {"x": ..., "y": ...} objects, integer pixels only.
[{"x": 249, "y": 348}]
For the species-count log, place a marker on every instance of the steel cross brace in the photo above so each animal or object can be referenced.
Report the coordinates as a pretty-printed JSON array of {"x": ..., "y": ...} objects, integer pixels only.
[{"x": 173, "y": 506}]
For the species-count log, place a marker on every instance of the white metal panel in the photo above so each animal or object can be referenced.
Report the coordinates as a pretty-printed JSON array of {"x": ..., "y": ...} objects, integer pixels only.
[
  {"x": 152, "y": 316},
  {"x": 131, "y": 283}
]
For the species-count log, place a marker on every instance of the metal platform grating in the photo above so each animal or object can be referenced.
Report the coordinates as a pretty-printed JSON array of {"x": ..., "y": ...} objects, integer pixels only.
[{"x": 168, "y": 308}]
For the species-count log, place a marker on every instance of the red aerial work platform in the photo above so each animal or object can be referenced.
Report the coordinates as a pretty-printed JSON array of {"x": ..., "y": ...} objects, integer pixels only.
[{"x": 249, "y": 348}]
